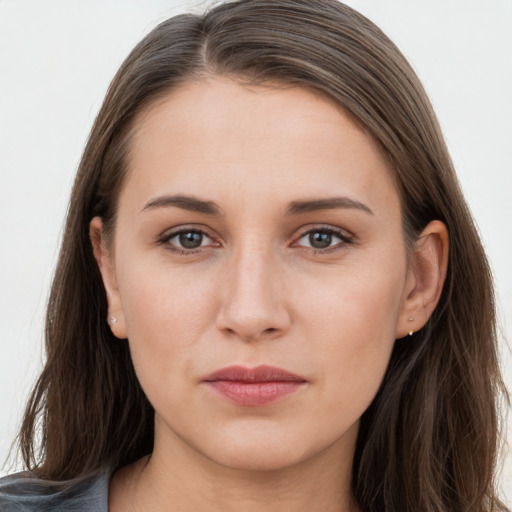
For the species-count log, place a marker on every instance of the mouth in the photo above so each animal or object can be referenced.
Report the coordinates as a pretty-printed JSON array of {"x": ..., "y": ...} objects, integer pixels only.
[{"x": 253, "y": 386}]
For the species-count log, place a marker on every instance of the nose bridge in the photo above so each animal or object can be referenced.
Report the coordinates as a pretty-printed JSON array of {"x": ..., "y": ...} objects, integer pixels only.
[
  {"x": 252, "y": 264},
  {"x": 253, "y": 305}
]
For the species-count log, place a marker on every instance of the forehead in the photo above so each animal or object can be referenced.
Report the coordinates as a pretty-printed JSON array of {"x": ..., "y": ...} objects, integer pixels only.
[{"x": 216, "y": 135}]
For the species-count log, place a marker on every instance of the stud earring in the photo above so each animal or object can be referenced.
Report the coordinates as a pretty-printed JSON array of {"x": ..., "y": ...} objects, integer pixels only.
[
  {"x": 411, "y": 319},
  {"x": 113, "y": 320}
]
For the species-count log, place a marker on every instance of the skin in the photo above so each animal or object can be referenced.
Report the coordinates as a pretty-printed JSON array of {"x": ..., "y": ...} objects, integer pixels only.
[{"x": 257, "y": 291}]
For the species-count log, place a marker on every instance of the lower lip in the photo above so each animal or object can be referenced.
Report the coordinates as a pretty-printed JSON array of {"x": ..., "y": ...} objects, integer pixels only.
[{"x": 254, "y": 393}]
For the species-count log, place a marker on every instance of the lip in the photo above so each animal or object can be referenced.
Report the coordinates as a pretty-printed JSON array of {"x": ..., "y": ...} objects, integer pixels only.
[{"x": 254, "y": 386}]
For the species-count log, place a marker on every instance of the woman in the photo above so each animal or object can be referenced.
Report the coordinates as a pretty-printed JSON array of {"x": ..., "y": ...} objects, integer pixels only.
[{"x": 270, "y": 293}]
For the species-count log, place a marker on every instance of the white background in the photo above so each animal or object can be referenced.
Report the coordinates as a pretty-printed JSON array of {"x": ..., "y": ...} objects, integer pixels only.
[{"x": 57, "y": 58}]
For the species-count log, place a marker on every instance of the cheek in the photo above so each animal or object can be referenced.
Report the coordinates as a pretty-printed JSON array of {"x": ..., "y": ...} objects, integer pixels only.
[
  {"x": 166, "y": 316},
  {"x": 354, "y": 324}
]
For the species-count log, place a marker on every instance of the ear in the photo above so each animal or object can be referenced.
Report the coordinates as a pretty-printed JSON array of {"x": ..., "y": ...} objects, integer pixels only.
[
  {"x": 104, "y": 259},
  {"x": 425, "y": 278}
]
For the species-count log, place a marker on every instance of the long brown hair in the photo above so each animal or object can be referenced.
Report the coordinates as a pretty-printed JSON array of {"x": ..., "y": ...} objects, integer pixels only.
[{"x": 429, "y": 440}]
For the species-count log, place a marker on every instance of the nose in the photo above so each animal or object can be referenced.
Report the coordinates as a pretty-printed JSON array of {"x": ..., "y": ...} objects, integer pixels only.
[{"x": 253, "y": 296}]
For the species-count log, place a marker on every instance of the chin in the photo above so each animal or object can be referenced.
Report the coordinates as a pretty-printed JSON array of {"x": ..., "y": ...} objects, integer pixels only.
[
  {"x": 259, "y": 458},
  {"x": 261, "y": 451}
]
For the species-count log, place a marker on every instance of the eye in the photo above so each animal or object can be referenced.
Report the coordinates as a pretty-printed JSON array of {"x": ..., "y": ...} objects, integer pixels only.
[
  {"x": 185, "y": 240},
  {"x": 324, "y": 239}
]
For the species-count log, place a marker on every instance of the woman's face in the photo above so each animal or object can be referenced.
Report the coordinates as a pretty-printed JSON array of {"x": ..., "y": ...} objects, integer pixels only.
[{"x": 256, "y": 226}]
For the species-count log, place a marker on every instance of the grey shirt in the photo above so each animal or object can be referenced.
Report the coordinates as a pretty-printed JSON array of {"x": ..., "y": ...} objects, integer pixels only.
[{"x": 22, "y": 492}]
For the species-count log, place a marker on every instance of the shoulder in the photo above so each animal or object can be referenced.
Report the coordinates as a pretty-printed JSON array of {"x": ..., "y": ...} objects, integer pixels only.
[{"x": 23, "y": 492}]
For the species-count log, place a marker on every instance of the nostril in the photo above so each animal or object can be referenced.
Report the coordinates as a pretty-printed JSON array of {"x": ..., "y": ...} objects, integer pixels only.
[{"x": 269, "y": 332}]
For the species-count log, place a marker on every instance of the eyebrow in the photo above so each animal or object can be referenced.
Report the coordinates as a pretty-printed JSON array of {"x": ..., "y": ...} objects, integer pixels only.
[
  {"x": 189, "y": 203},
  {"x": 330, "y": 203},
  {"x": 194, "y": 204}
]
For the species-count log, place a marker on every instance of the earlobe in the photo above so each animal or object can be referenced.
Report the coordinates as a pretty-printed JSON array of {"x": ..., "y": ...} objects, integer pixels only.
[
  {"x": 425, "y": 280},
  {"x": 104, "y": 260}
]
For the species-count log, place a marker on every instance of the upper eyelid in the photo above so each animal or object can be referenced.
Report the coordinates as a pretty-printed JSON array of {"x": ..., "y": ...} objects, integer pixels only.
[
  {"x": 172, "y": 232},
  {"x": 342, "y": 233}
]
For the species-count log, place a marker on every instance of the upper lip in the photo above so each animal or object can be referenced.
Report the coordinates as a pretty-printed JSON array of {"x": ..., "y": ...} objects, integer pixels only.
[{"x": 263, "y": 373}]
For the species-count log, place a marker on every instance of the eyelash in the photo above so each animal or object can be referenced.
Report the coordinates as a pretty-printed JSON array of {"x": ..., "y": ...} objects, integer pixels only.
[
  {"x": 164, "y": 240},
  {"x": 345, "y": 240}
]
